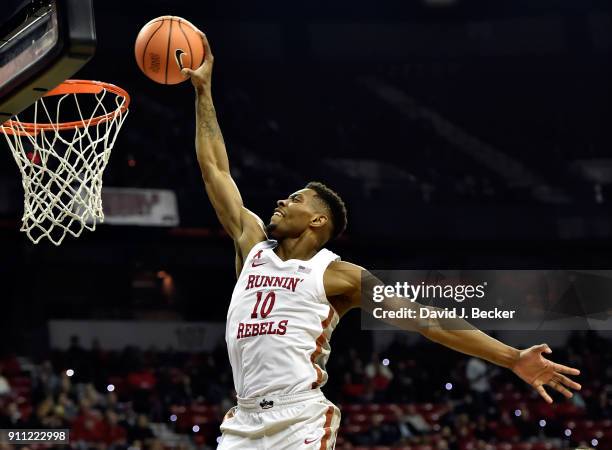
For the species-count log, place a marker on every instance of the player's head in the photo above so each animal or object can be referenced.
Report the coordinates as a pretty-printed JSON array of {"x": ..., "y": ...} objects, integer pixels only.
[{"x": 315, "y": 208}]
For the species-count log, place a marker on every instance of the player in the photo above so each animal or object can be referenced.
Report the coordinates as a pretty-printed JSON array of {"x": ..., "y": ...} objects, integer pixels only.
[{"x": 291, "y": 293}]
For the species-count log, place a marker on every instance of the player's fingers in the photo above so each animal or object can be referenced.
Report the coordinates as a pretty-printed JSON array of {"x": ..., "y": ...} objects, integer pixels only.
[
  {"x": 544, "y": 394},
  {"x": 187, "y": 72},
  {"x": 566, "y": 381},
  {"x": 564, "y": 369},
  {"x": 560, "y": 388}
]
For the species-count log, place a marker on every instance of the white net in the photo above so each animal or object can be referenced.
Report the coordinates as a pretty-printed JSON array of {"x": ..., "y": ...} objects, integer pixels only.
[{"x": 62, "y": 166}]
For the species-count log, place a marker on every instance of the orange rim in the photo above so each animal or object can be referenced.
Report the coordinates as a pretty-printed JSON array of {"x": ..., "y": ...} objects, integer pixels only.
[{"x": 70, "y": 87}]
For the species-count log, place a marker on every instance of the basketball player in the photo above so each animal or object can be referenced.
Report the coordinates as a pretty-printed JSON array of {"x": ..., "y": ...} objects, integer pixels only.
[{"x": 291, "y": 293}]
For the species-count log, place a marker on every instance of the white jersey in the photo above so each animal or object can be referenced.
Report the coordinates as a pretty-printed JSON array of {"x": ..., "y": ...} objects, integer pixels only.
[{"x": 279, "y": 323}]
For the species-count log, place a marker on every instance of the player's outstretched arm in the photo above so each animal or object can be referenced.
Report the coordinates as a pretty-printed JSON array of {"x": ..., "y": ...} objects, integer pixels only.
[
  {"x": 214, "y": 164},
  {"x": 346, "y": 282}
]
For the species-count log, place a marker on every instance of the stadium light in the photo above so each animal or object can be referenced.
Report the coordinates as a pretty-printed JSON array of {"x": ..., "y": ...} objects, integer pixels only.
[
  {"x": 110, "y": 387},
  {"x": 196, "y": 428},
  {"x": 70, "y": 372}
]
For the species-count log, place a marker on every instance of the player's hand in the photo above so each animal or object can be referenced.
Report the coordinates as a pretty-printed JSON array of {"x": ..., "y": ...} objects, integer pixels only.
[
  {"x": 538, "y": 371},
  {"x": 201, "y": 77}
]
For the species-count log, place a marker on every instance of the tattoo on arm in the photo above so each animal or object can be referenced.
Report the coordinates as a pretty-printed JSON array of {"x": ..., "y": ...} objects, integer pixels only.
[{"x": 208, "y": 121}]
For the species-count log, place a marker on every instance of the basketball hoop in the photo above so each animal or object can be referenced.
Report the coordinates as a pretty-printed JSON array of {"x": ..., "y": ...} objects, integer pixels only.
[{"x": 61, "y": 161}]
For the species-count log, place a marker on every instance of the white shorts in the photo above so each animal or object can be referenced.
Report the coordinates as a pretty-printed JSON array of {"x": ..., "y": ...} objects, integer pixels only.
[{"x": 305, "y": 421}]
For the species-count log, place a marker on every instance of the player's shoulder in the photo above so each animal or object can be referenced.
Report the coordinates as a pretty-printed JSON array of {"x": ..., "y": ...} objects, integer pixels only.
[
  {"x": 341, "y": 277},
  {"x": 338, "y": 267},
  {"x": 342, "y": 283}
]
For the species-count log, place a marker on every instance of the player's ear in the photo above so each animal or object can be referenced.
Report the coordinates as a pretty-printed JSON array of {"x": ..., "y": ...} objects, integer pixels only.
[{"x": 319, "y": 220}]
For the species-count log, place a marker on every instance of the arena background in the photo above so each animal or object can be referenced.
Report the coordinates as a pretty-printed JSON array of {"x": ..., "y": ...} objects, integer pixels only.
[{"x": 460, "y": 133}]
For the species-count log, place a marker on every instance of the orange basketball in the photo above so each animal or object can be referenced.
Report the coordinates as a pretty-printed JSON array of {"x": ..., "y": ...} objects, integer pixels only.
[{"x": 167, "y": 44}]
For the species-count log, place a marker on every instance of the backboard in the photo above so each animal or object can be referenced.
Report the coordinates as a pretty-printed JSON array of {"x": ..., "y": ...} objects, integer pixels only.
[{"x": 42, "y": 43}]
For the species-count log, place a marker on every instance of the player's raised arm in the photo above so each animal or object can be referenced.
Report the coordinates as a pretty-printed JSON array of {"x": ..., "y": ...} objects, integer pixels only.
[
  {"x": 347, "y": 281},
  {"x": 214, "y": 164}
]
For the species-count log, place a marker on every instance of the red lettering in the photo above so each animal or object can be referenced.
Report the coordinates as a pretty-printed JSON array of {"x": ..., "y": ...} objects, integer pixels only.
[
  {"x": 259, "y": 329},
  {"x": 282, "y": 327},
  {"x": 272, "y": 330},
  {"x": 291, "y": 283},
  {"x": 254, "y": 313},
  {"x": 250, "y": 282},
  {"x": 256, "y": 281},
  {"x": 268, "y": 304},
  {"x": 263, "y": 328}
]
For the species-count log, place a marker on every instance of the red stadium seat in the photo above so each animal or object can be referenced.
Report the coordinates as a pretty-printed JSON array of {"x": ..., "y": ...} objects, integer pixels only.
[
  {"x": 20, "y": 381},
  {"x": 353, "y": 429},
  {"x": 23, "y": 391},
  {"x": 359, "y": 418},
  {"x": 389, "y": 417},
  {"x": 607, "y": 435},
  {"x": 373, "y": 407},
  {"x": 503, "y": 446},
  {"x": 199, "y": 419},
  {"x": 542, "y": 446},
  {"x": 387, "y": 408},
  {"x": 351, "y": 408},
  {"x": 26, "y": 411},
  {"x": 522, "y": 446}
]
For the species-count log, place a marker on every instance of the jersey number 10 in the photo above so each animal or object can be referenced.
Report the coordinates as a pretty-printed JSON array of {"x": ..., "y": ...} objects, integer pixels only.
[{"x": 266, "y": 307}]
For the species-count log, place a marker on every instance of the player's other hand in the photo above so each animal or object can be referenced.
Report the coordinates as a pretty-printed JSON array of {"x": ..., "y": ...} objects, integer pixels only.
[
  {"x": 538, "y": 371},
  {"x": 201, "y": 77}
]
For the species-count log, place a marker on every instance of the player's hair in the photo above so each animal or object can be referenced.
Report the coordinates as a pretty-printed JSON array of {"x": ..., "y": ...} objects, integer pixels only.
[{"x": 334, "y": 203}]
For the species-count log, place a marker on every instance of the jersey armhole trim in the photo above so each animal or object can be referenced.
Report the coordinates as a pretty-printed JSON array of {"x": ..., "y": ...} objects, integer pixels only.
[{"x": 321, "y": 285}]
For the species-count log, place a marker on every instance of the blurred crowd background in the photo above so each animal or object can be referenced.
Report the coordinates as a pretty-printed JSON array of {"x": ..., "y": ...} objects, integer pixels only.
[
  {"x": 400, "y": 398},
  {"x": 461, "y": 134}
]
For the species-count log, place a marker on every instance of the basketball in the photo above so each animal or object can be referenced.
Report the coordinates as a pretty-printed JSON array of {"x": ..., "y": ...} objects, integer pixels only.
[{"x": 166, "y": 45}]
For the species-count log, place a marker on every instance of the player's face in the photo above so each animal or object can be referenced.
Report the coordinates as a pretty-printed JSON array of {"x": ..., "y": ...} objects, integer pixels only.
[{"x": 292, "y": 215}]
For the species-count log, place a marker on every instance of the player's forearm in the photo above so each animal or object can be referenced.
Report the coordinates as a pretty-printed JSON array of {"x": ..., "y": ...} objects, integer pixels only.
[
  {"x": 210, "y": 147},
  {"x": 464, "y": 338}
]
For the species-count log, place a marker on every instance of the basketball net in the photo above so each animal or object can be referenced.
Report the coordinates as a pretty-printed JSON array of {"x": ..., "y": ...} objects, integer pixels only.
[{"x": 62, "y": 163}]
